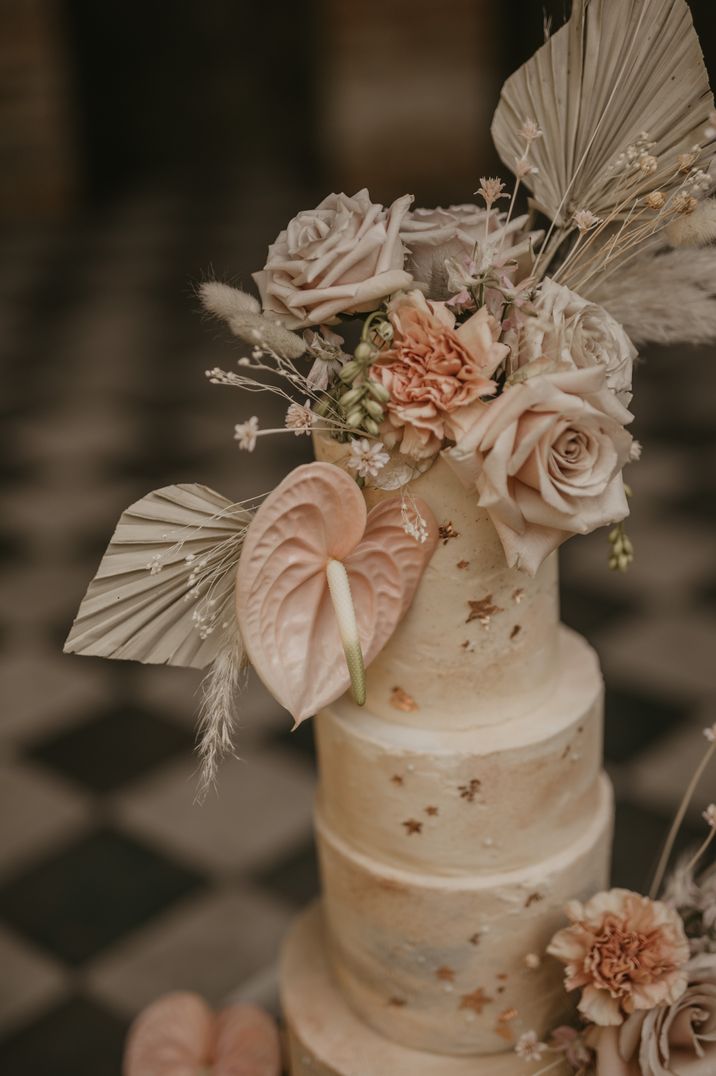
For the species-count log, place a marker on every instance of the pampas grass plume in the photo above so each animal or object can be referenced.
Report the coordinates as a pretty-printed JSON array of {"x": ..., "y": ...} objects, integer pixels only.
[{"x": 694, "y": 229}]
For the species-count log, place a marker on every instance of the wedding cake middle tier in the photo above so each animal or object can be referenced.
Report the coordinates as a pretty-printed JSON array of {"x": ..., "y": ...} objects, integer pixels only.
[{"x": 448, "y": 855}]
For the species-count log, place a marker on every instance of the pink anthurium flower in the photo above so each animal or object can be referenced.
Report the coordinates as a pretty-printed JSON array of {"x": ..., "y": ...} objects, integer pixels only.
[
  {"x": 323, "y": 583},
  {"x": 179, "y": 1035}
]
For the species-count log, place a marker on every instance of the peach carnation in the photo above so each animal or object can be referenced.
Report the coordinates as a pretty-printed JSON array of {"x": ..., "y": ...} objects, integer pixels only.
[
  {"x": 435, "y": 373},
  {"x": 626, "y": 953}
]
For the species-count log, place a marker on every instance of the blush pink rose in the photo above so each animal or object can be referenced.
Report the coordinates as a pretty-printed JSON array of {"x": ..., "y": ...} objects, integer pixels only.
[
  {"x": 546, "y": 457},
  {"x": 625, "y": 952},
  {"x": 435, "y": 373},
  {"x": 344, "y": 256},
  {"x": 669, "y": 1040}
]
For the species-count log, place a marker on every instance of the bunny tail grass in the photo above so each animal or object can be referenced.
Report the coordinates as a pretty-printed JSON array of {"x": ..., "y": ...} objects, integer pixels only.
[
  {"x": 217, "y": 719},
  {"x": 340, "y": 590}
]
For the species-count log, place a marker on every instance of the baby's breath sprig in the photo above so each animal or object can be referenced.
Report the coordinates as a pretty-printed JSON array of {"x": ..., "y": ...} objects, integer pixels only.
[{"x": 363, "y": 401}]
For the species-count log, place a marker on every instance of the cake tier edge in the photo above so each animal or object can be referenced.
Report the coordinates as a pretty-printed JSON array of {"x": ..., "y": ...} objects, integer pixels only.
[
  {"x": 326, "y": 1038},
  {"x": 438, "y": 962},
  {"x": 478, "y": 800}
]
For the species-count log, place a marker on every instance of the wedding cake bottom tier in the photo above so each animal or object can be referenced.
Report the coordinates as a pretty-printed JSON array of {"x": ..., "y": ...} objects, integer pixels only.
[
  {"x": 456, "y": 964},
  {"x": 326, "y": 1038}
]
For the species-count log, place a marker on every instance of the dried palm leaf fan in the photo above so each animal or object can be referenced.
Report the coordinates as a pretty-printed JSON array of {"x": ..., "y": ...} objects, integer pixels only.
[{"x": 617, "y": 70}]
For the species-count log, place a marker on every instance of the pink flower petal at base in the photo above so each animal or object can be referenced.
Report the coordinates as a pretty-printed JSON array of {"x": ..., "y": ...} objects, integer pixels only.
[
  {"x": 284, "y": 607},
  {"x": 179, "y": 1035}
]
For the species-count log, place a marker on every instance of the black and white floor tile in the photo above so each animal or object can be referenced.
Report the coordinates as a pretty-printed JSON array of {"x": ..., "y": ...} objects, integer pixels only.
[{"x": 114, "y": 885}]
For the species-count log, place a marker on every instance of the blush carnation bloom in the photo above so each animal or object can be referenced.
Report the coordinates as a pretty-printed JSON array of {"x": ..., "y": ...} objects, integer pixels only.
[
  {"x": 344, "y": 256},
  {"x": 625, "y": 952},
  {"x": 435, "y": 373},
  {"x": 546, "y": 457}
]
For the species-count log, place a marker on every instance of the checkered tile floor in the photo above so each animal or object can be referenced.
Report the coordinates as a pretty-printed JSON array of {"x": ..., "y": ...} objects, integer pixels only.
[{"x": 114, "y": 886}]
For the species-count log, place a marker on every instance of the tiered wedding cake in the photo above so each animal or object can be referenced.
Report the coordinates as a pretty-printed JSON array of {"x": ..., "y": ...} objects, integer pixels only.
[{"x": 457, "y": 813}]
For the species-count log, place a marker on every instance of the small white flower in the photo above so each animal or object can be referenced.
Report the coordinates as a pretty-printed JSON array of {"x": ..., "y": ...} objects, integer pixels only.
[
  {"x": 524, "y": 168},
  {"x": 367, "y": 459},
  {"x": 710, "y": 733},
  {"x": 585, "y": 220},
  {"x": 647, "y": 164},
  {"x": 710, "y": 130},
  {"x": 635, "y": 451},
  {"x": 491, "y": 190},
  {"x": 530, "y": 130},
  {"x": 246, "y": 433},
  {"x": 709, "y": 815},
  {"x": 529, "y": 1047},
  {"x": 299, "y": 418}
]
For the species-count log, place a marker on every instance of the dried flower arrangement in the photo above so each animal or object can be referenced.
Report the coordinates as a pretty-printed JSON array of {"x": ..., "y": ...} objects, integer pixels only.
[
  {"x": 645, "y": 969},
  {"x": 502, "y": 343}
]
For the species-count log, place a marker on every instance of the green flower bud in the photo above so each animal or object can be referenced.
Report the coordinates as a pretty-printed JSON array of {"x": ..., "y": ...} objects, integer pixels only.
[
  {"x": 349, "y": 371},
  {"x": 364, "y": 352},
  {"x": 348, "y": 399},
  {"x": 370, "y": 426},
  {"x": 355, "y": 417},
  {"x": 378, "y": 391},
  {"x": 323, "y": 406},
  {"x": 374, "y": 409}
]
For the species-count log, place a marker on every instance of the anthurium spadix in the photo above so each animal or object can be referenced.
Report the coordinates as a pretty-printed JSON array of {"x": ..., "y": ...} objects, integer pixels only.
[{"x": 322, "y": 585}]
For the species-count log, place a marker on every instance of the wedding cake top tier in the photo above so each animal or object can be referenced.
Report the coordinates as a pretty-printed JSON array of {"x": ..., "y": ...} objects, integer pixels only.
[{"x": 478, "y": 646}]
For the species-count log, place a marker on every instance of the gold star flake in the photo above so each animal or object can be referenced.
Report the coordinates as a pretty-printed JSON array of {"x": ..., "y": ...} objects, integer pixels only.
[
  {"x": 413, "y": 826},
  {"x": 432, "y": 811},
  {"x": 474, "y": 939},
  {"x": 469, "y": 791},
  {"x": 482, "y": 610},
  {"x": 476, "y": 1001},
  {"x": 445, "y": 974},
  {"x": 503, "y": 1020},
  {"x": 397, "y": 1003},
  {"x": 446, "y": 532},
  {"x": 515, "y": 631},
  {"x": 533, "y": 898},
  {"x": 396, "y": 779},
  {"x": 468, "y": 645},
  {"x": 517, "y": 595},
  {"x": 463, "y": 564},
  {"x": 401, "y": 700}
]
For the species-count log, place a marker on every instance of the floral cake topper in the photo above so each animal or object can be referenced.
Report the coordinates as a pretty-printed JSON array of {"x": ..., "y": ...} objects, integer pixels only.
[{"x": 500, "y": 339}]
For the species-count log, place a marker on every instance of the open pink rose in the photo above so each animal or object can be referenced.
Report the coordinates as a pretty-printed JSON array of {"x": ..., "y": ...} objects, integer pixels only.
[
  {"x": 344, "y": 256},
  {"x": 625, "y": 952},
  {"x": 670, "y": 1040},
  {"x": 435, "y": 373},
  {"x": 546, "y": 457}
]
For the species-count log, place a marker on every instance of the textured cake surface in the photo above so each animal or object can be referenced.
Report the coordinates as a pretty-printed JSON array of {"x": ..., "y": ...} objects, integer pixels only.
[
  {"x": 326, "y": 1038},
  {"x": 457, "y": 813},
  {"x": 479, "y": 643}
]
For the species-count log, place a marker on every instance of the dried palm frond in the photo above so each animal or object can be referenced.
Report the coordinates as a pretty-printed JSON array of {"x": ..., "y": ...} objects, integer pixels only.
[
  {"x": 164, "y": 590},
  {"x": 664, "y": 298},
  {"x": 619, "y": 72}
]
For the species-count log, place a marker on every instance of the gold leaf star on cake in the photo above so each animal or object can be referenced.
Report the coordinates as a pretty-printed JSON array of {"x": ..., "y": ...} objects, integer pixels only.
[
  {"x": 463, "y": 564},
  {"x": 476, "y": 1001},
  {"x": 483, "y": 610},
  {"x": 431, "y": 810},
  {"x": 470, "y": 790},
  {"x": 396, "y": 779},
  {"x": 446, "y": 532},
  {"x": 445, "y": 974},
  {"x": 413, "y": 826},
  {"x": 401, "y": 700}
]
